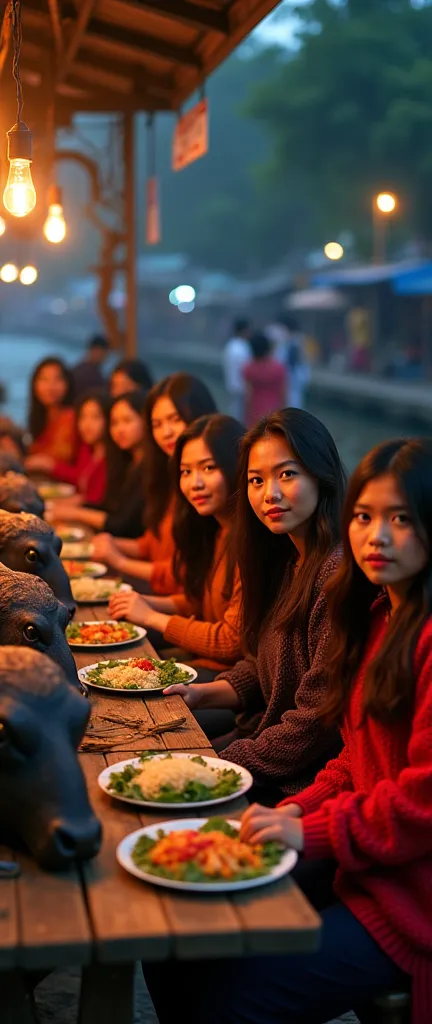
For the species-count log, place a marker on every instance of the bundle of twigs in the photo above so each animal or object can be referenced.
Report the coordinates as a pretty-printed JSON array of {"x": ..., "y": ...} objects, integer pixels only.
[{"x": 99, "y": 740}]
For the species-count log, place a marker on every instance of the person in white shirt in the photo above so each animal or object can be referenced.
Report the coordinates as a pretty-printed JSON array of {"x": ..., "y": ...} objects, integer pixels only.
[{"x": 236, "y": 354}]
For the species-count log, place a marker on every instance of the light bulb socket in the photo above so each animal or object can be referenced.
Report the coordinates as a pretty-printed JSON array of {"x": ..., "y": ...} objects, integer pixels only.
[
  {"x": 54, "y": 196},
  {"x": 20, "y": 142}
]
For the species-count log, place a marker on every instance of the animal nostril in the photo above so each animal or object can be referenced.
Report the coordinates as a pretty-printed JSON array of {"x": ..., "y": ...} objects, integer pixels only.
[
  {"x": 81, "y": 841},
  {"x": 65, "y": 842},
  {"x": 71, "y": 611}
]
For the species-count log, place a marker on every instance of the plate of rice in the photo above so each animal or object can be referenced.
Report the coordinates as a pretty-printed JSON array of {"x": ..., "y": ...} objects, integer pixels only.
[
  {"x": 175, "y": 780},
  {"x": 50, "y": 491},
  {"x": 87, "y": 590},
  {"x": 136, "y": 675},
  {"x": 199, "y": 855}
]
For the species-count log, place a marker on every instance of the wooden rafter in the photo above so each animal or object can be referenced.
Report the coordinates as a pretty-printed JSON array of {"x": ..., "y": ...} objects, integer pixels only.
[
  {"x": 130, "y": 41},
  {"x": 78, "y": 32},
  {"x": 189, "y": 13},
  {"x": 56, "y": 26}
]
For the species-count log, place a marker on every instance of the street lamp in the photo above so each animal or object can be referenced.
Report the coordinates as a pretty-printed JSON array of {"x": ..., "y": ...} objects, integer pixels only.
[
  {"x": 334, "y": 251},
  {"x": 384, "y": 205}
]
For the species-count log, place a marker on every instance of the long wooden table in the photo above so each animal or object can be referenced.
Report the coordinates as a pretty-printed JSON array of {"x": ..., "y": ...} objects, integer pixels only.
[{"x": 104, "y": 920}]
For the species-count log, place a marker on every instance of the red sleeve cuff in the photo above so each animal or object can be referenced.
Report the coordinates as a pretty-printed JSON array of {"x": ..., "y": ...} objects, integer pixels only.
[{"x": 317, "y": 844}]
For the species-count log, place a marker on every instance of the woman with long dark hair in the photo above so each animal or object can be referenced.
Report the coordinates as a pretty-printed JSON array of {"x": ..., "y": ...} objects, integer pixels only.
[
  {"x": 205, "y": 619},
  {"x": 88, "y": 473},
  {"x": 170, "y": 406},
  {"x": 130, "y": 375},
  {"x": 369, "y": 813},
  {"x": 122, "y": 508},
  {"x": 291, "y": 488},
  {"x": 51, "y": 415}
]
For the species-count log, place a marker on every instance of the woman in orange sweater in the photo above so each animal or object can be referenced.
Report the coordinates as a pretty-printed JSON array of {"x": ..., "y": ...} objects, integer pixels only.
[
  {"x": 51, "y": 418},
  {"x": 170, "y": 406},
  {"x": 205, "y": 619}
]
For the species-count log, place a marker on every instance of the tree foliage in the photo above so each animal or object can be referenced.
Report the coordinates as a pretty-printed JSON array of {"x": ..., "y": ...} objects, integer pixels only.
[{"x": 351, "y": 113}]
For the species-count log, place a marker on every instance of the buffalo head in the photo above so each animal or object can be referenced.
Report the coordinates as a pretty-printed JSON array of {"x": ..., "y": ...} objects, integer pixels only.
[
  {"x": 27, "y": 544},
  {"x": 18, "y": 494},
  {"x": 30, "y": 616},
  {"x": 9, "y": 463},
  {"x": 43, "y": 797}
]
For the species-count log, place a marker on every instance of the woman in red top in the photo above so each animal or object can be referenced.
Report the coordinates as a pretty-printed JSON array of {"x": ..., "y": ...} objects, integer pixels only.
[
  {"x": 88, "y": 472},
  {"x": 369, "y": 812},
  {"x": 52, "y": 418},
  {"x": 170, "y": 406},
  {"x": 266, "y": 381}
]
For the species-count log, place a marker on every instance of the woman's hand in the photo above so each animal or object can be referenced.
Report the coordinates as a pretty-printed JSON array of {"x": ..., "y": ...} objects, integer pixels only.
[
  {"x": 39, "y": 463},
  {"x": 131, "y": 606},
  {"x": 105, "y": 549},
  {"x": 191, "y": 694},
  {"x": 260, "y": 824}
]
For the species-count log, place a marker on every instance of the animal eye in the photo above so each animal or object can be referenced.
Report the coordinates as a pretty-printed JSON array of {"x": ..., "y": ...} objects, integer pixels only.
[
  {"x": 31, "y": 634},
  {"x": 31, "y": 555}
]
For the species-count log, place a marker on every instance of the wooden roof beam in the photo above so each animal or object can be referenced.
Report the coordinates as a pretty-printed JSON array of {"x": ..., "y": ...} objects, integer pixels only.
[
  {"x": 76, "y": 37},
  {"x": 138, "y": 42},
  {"x": 189, "y": 13},
  {"x": 56, "y": 26}
]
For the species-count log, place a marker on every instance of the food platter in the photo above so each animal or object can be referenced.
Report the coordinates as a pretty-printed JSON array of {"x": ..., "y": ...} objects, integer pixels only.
[
  {"x": 89, "y": 569},
  {"x": 70, "y": 534},
  {"x": 119, "y": 631},
  {"x": 82, "y": 589},
  {"x": 53, "y": 491},
  {"x": 84, "y": 675},
  {"x": 244, "y": 780},
  {"x": 125, "y": 849},
  {"x": 76, "y": 550}
]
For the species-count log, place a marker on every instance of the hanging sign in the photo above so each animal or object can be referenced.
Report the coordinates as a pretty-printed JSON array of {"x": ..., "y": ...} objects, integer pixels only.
[
  {"x": 153, "y": 233},
  {"x": 190, "y": 140}
]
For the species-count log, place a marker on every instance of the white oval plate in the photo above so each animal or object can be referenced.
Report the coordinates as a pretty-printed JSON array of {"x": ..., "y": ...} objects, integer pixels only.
[
  {"x": 124, "y": 589},
  {"x": 97, "y": 570},
  {"x": 75, "y": 551},
  {"x": 124, "y": 857},
  {"x": 82, "y": 676},
  {"x": 70, "y": 536},
  {"x": 214, "y": 762},
  {"x": 141, "y": 633},
  {"x": 50, "y": 492}
]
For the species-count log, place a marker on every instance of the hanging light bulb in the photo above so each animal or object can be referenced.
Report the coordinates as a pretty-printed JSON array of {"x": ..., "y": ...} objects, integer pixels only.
[
  {"x": 19, "y": 196},
  {"x": 55, "y": 225},
  {"x": 28, "y": 275},
  {"x": 8, "y": 273},
  {"x": 2, "y": 226}
]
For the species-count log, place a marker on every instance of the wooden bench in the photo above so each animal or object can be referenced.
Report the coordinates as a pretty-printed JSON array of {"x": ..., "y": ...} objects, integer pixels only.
[{"x": 102, "y": 919}]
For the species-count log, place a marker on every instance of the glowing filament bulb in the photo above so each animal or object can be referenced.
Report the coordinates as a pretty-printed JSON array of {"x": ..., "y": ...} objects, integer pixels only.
[
  {"x": 55, "y": 224},
  {"x": 19, "y": 195}
]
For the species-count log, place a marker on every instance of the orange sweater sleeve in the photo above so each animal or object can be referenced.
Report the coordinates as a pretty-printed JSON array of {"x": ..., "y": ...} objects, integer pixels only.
[
  {"x": 145, "y": 546},
  {"x": 162, "y": 578},
  {"x": 218, "y": 640}
]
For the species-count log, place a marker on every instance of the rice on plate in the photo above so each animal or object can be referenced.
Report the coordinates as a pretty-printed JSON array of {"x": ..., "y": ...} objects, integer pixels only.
[{"x": 175, "y": 780}]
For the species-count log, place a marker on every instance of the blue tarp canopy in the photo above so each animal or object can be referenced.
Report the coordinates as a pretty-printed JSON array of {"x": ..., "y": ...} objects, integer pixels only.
[
  {"x": 414, "y": 282},
  {"x": 406, "y": 271}
]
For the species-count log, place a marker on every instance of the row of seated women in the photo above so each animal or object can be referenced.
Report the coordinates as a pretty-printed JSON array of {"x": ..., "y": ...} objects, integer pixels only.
[{"x": 320, "y": 638}]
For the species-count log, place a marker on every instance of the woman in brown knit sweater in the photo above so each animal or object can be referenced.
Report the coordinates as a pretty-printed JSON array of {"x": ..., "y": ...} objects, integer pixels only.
[
  {"x": 205, "y": 619},
  {"x": 291, "y": 491}
]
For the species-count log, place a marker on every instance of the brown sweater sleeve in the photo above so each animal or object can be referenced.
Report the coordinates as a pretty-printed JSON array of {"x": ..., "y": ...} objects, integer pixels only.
[
  {"x": 285, "y": 750},
  {"x": 218, "y": 640}
]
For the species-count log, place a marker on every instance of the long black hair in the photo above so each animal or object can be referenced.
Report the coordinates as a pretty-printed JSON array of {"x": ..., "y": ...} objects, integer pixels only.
[
  {"x": 389, "y": 680},
  {"x": 103, "y": 400},
  {"x": 192, "y": 399},
  {"x": 195, "y": 535},
  {"x": 119, "y": 462},
  {"x": 270, "y": 586},
  {"x": 38, "y": 413},
  {"x": 138, "y": 372}
]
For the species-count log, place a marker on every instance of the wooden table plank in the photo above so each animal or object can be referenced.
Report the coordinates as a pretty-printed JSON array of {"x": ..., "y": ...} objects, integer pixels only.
[
  {"x": 9, "y": 925},
  {"x": 164, "y": 710},
  {"x": 127, "y": 916},
  {"x": 54, "y": 925}
]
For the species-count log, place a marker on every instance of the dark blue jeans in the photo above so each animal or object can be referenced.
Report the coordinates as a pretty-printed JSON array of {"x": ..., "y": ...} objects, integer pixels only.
[{"x": 347, "y": 971}]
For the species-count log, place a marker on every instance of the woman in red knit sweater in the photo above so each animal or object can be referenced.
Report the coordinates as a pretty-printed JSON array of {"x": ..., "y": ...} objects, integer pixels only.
[
  {"x": 170, "y": 406},
  {"x": 371, "y": 809},
  {"x": 89, "y": 472}
]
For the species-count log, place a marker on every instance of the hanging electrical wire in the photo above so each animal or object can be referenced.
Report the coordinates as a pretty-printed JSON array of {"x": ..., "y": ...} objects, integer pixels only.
[{"x": 19, "y": 196}]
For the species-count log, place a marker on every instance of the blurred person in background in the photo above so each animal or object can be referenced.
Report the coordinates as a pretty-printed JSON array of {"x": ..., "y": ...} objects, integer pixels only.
[
  {"x": 266, "y": 381},
  {"x": 87, "y": 374},
  {"x": 130, "y": 375},
  {"x": 236, "y": 354},
  {"x": 52, "y": 423},
  {"x": 289, "y": 349}
]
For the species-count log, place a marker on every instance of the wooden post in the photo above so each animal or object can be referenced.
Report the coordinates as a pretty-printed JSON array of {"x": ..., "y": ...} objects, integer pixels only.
[{"x": 129, "y": 202}]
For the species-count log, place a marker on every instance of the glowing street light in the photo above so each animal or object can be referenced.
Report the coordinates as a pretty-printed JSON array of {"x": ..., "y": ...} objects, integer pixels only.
[
  {"x": 386, "y": 202},
  {"x": 9, "y": 273},
  {"x": 334, "y": 251},
  {"x": 28, "y": 275}
]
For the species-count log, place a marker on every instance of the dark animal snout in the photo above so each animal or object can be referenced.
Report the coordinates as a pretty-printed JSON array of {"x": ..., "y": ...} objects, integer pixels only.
[{"x": 70, "y": 841}]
